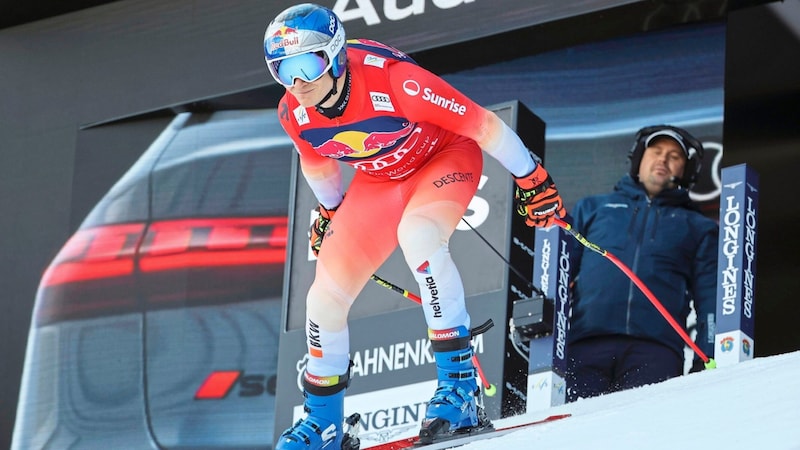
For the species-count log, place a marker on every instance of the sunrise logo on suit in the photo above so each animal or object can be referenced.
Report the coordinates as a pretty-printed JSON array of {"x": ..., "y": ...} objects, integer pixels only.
[{"x": 364, "y": 141}]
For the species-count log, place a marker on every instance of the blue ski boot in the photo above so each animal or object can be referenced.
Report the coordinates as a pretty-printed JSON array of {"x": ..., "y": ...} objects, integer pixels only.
[
  {"x": 454, "y": 407},
  {"x": 322, "y": 428}
]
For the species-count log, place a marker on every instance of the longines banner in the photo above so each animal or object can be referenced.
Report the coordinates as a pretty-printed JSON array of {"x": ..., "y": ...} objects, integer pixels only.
[
  {"x": 736, "y": 265},
  {"x": 548, "y": 360}
]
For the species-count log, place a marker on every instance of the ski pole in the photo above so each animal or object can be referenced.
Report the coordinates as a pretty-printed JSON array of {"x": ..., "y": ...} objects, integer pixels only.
[
  {"x": 488, "y": 388},
  {"x": 709, "y": 362},
  {"x": 532, "y": 286}
]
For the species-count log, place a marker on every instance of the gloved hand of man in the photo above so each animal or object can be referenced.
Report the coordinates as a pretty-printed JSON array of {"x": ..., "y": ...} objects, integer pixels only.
[
  {"x": 537, "y": 198},
  {"x": 319, "y": 227}
]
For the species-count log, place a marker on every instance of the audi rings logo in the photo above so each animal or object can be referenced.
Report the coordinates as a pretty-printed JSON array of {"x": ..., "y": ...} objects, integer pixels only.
[
  {"x": 380, "y": 98},
  {"x": 411, "y": 87},
  {"x": 381, "y": 101}
]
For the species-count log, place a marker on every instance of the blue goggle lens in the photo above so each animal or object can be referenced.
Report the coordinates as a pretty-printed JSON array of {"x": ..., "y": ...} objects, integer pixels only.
[{"x": 307, "y": 66}]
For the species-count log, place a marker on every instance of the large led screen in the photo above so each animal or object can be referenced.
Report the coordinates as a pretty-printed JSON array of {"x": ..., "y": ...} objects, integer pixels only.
[{"x": 157, "y": 323}]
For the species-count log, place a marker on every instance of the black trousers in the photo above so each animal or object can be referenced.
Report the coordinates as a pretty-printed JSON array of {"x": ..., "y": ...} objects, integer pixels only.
[{"x": 605, "y": 364}]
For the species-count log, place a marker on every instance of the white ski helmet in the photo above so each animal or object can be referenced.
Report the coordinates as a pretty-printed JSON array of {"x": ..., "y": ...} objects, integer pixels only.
[{"x": 305, "y": 41}]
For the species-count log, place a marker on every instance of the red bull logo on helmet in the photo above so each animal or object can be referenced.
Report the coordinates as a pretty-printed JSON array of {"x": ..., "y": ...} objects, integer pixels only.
[{"x": 284, "y": 37}]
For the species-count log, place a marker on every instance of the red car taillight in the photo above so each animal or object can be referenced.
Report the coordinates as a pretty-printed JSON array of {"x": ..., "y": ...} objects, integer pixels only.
[
  {"x": 122, "y": 268},
  {"x": 183, "y": 244},
  {"x": 95, "y": 253},
  {"x": 209, "y": 261},
  {"x": 93, "y": 274}
]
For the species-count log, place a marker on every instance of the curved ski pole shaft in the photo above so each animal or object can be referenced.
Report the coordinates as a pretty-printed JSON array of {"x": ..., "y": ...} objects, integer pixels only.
[
  {"x": 640, "y": 284},
  {"x": 488, "y": 388}
]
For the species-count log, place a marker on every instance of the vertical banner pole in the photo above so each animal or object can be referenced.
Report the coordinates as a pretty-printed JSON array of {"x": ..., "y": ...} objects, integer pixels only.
[
  {"x": 736, "y": 272},
  {"x": 547, "y": 365}
]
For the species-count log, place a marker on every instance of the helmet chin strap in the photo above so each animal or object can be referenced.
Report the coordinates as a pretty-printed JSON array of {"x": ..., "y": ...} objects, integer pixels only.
[
  {"x": 337, "y": 109},
  {"x": 330, "y": 93}
]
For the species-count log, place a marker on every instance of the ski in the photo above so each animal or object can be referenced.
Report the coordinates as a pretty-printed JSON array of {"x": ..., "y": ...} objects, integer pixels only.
[{"x": 459, "y": 439}]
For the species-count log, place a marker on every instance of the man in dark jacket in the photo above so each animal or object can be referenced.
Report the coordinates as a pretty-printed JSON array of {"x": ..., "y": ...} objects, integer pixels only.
[{"x": 617, "y": 338}]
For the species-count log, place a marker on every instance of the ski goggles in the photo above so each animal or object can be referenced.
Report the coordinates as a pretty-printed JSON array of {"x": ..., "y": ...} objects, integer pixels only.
[{"x": 309, "y": 67}]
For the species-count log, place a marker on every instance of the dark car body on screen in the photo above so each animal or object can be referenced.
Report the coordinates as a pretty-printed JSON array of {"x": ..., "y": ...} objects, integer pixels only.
[{"x": 157, "y": 324}]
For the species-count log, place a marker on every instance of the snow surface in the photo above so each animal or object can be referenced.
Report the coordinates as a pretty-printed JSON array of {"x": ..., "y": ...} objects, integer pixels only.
[{"x": 751, "y": 405}]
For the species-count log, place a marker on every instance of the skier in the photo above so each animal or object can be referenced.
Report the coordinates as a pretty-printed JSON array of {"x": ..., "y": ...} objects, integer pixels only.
[{"x": 405, "y": 131}]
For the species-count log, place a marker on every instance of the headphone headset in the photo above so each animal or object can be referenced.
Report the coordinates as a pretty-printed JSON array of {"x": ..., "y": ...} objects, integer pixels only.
[{"x": 692, "y": 147}]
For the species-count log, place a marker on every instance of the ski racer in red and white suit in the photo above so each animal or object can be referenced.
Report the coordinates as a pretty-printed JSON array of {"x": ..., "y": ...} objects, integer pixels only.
[{"x": 415, "y": 143}]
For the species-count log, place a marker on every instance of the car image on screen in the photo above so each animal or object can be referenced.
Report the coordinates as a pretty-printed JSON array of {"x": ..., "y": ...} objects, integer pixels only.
[{"x": 157, "y": 323}]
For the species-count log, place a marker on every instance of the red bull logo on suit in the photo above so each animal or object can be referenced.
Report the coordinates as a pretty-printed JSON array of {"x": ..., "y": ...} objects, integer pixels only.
[{"x": 362, "y": 144}]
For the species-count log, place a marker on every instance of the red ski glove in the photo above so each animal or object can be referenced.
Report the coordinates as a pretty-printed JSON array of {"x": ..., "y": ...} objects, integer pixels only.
[
  {"x": 319, "y": 227},
  {"x": 537, "y": 198}
]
